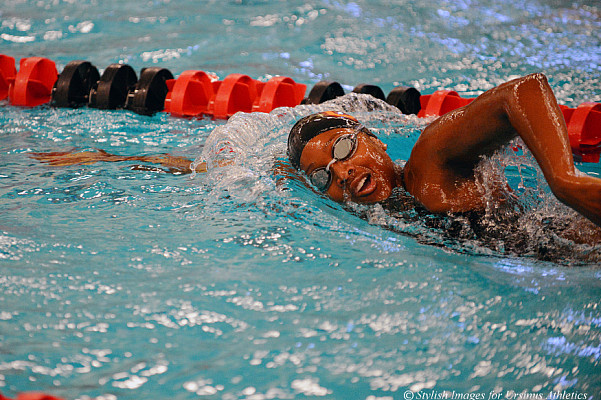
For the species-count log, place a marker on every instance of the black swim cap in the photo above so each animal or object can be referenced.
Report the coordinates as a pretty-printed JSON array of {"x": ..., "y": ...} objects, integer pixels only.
[{"x": 312, "y": 125}]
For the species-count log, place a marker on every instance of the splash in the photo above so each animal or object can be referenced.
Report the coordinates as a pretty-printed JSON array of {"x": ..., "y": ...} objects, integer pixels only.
[{"x": 250, "y": 134}]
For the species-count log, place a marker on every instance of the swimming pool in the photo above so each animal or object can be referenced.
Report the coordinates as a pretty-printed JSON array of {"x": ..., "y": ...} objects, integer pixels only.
[{"x": 244, "y": 284}]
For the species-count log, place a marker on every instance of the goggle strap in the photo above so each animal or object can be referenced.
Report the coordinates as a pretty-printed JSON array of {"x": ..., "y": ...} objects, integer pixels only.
[{"x": 329, "y": 164}]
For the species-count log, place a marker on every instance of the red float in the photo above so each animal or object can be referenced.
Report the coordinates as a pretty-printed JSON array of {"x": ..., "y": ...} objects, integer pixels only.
[
  {"x": 584, "y": 131},
  {"x": 236, "y": 93},
  {"x": 31, "y": 396},
  {"x": 33, "y": 83},
  {"x": 440, "y": 103},
  {"x": 280, "y": 91},
  {"x": 8, "y": 71},
  {"x": 196, "y": 93},
  {"x": 190, "y": 94}
]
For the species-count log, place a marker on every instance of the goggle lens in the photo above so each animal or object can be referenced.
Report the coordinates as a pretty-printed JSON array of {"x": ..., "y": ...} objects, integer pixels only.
[
  {"x": 343, "y": 147},
  {"x": 320, "y": 179}
]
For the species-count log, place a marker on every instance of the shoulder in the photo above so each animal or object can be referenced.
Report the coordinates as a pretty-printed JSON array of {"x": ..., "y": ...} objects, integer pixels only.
[{"x": 423, "y": 179}]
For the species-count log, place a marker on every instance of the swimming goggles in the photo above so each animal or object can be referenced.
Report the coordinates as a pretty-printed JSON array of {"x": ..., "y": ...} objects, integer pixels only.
[{"x": 343, "y": 148}]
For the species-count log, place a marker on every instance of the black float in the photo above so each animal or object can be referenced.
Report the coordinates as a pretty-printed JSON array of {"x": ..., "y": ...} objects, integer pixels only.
[
  {"x": 324, "y": 91},
  {"x": 406, "y": 99},
  {"x": 72, "y": 88},
  {"x": 373, "y": 90},
  {"x": 148, "y": 97},
  {"x": 113, "y": 87}
]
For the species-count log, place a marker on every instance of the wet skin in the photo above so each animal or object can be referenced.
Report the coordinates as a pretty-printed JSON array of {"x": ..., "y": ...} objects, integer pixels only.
[{"x": 368, "y": 176}]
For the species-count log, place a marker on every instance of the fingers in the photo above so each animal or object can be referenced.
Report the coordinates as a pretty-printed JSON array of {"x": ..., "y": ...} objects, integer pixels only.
[
  {"x": 51, "y": 159},
  {"x": 54, "y": 153}
]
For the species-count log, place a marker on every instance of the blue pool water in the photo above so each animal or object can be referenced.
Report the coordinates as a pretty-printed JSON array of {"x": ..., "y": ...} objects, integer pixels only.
[{"x": 244, "y": 284}]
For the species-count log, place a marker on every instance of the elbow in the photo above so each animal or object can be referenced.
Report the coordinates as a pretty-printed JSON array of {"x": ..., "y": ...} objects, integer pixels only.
[
  {"x": 529, "y": 89},
  {"x": 535, "y": 81},
  {"x": 538, "y": 76}
]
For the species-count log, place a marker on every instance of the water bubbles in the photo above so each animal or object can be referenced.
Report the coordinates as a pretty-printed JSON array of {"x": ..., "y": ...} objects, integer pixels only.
[{"x": 309, "y": 387}]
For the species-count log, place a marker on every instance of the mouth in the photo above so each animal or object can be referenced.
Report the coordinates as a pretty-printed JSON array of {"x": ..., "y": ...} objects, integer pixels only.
[{"x": 364, "y": 185}]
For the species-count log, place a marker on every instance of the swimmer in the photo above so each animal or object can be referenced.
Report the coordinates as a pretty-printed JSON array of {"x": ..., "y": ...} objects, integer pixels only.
[{"x": 345, "y": 161}]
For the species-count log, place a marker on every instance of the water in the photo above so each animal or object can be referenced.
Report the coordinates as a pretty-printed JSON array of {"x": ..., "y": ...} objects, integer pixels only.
[{"x": 244, "y": 284}]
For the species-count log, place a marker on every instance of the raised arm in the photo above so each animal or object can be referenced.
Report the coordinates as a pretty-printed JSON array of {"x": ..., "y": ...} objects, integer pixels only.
[{"x": 450, "y": 148}]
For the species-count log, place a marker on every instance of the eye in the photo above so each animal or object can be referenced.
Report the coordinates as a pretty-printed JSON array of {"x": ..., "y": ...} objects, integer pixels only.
[
  {"x": 320, "y": 178},
  {"x": 343, "y": 147}
]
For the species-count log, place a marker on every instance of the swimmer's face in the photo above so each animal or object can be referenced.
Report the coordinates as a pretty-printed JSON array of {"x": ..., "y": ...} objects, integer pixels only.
[{"x": 367, "y": 175}]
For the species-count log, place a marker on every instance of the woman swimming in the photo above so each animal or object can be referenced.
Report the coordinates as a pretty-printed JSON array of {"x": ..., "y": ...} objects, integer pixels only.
[{"x": 345, "y": 161}]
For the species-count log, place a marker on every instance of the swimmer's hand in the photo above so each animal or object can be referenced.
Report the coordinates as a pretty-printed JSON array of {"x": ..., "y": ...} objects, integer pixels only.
[
  {"x": 174, "y": 164},
  {"x": 66, "y": 158}
]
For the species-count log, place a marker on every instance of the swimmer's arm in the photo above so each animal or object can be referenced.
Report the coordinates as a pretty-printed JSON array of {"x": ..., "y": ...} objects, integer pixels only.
[
  {"x": 524, "y": 107},
  {"x": 174, "y": 164},
  {"x": 453, "y": 145}
]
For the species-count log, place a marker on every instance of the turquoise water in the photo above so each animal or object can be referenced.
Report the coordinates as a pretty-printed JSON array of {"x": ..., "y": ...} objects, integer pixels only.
[{"x": 244, "y": 284}]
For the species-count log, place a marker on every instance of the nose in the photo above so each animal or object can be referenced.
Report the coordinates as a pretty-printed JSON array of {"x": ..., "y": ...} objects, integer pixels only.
[{"x": 341, "y": 172}]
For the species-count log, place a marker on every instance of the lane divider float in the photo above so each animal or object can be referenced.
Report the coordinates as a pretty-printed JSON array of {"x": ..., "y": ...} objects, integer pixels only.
[
  {"x": 584, "y": 130},
  {"x": 196, "y": 94},
  {"x": 31, "y": 396},
  {"x": 8, "y": 71},
  {"x": 193, "y": 94},
  {"x": 32, "y": 85}
]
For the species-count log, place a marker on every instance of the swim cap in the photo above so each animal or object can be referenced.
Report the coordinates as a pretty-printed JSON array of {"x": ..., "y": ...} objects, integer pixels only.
[{"x": 312, "y": 125}]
